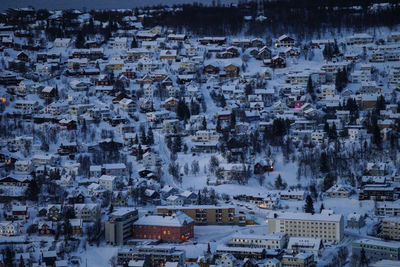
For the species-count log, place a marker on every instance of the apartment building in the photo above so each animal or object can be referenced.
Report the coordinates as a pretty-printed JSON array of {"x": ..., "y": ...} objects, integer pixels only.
[
  {"x": 327, "y": 226},
  {"x": 43, "y": 159},
  {"x": 377, "y": 192},
  {"x": 205, "y": 136},
  {"x": 298, "y": 78},
  {"x": 118, "y": 228},
  {"x": 241, "y": 252},
  {"x": 290, "y": 194},
  {"x": 175, "y": 228},
  {"x": 26, "y": 105},
  {"x": 118, "y": 43},
  {"x": 376, "y": 250},
  {"x": 116, "y": 169},
  {"x": 391, "y": 228},
  {"x": 158, "y": 255},
  {"x": 388, "y": 208},
  {"x": 360, "y": 38},
  {"x": 360, "y": 76},
  {"x": 269, "y": 241},
  {"x": 205, "y": 214},
  {"x": 394, "y": 76}
]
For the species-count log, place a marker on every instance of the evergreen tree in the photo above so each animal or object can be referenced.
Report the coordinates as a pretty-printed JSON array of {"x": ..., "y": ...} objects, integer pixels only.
[
  {"x": 208, "y": 248},
  {"x": 8, "y": 256},
  {"x": 111, "y": 209},
  {"x": 134, "y": 43},
  {"x": 169, "y": 143},
  {"x": 333, "y": 132},
  {"x": 323, "y": 163},
  {"x": 218, "y": 127},
  {"x": 328, "y": 182},
  {"x": 326, "y": 128},
  {"x": 67, "y": 229},
  {"x": 233, "y": 121},
  {"x": 309, "y": 206},
  {"x": 80, "y": 40},
  {"x": 204, "y": 123},
  {"x": 199, "y": 198},
  {"x": 139, "y": 155},
  {"x": 223, "y": 101},
  {"x": 32, "y": 191},
  {"x": 310, "y": 88},
  {"x": 136, "y": 139},
  {"x": 335, "y": 48},
  {"x": 143, "y": 138},
  {"x": 177, "y": 146},
  {"x": 150, "y": 137},
  {"x": 321, "y": 208},
  {"x": 380, "y": 103},
  {"x": 338, "y": 81},
  {"x": 21, "y": 261},
  {"x": 376, "y": 135},
  {"x": 182, "y": 111},
  {"x": 363, "y": 258},
  {"x": 279, "y": 184}
]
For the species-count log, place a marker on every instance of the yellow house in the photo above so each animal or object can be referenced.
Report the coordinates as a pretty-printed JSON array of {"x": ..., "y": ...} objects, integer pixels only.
[{"x": 115, "y": 65}]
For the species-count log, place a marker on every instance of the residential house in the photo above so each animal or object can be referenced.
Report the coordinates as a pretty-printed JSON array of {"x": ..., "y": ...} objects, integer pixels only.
[
  {"x": 87, "y": 212},
  {"x": 109, "y": 182}
]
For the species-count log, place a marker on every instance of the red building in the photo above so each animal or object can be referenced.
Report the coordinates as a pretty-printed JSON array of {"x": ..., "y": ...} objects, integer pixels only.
[
  {"x": 175, "y": 228},
  {"x": 129, "y": 73},
  {"x": 45, "y": 228}
]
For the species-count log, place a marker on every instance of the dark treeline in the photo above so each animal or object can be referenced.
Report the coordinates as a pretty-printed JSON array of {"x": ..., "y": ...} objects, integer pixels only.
[{"x": 302, "y": 17}]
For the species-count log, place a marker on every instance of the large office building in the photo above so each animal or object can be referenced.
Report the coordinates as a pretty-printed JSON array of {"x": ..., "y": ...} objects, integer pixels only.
[
  {"x": 376, "y": 250},
  {"x": 206, "y": 214},
  {"x": 118, "y": 228},
  {"x": 327, "y": 226}
]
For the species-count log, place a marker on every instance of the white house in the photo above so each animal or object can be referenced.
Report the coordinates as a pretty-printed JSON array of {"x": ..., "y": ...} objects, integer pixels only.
[
  {"x": 119, "y": 42},
  {"x": 108, "y": 182},
  {"x": 127, "y": 105},
  {"x": 62, "y": 42},
  {"x": 175, "y": 200},
  {"x": 9, "y": 228}
]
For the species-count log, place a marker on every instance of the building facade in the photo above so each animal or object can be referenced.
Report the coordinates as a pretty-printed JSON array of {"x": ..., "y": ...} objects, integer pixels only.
[
  {"x": 118, "y": 228},
  {"x": 205, "y": 214},
  {"x": 175, "y": 228},
  {"x": 376, "y": 250},
  {"x": 328, "y": 227}
]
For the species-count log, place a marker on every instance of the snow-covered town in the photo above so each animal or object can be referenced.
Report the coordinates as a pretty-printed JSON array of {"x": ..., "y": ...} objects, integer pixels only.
[{"x": 129, "y": 142}]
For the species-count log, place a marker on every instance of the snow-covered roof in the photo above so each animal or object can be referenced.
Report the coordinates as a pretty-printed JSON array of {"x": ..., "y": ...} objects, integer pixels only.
[
  {"x": 308, "y": 242},
  {"x": 114, "y": 166},
  {"x": 176, "y": 220},
  {"x": 287, "y": 215}
]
